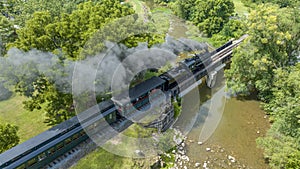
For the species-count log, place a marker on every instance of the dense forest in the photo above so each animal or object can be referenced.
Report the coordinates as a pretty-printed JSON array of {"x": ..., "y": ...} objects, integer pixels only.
[{"x": 267, "y": 63}]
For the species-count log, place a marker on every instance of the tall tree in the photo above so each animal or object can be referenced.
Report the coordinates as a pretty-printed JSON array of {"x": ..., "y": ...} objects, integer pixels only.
[
  {"x": 282, "y": 143},
  {"x": 211, "y": 15},
  {"x": 234, "y": 28},
  {"x": 69, "y": 32},
  {"x": 208, "y": 15},
  {"x": 273, "y": 43},
  {"x": 8, "y": 137},
  {"x": 7, "y": 34}
]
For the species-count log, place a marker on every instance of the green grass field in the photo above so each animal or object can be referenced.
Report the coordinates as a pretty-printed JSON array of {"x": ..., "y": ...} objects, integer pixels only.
[
  {"x": 30, "y": 123},
  {"x": 104, "y": 160}
]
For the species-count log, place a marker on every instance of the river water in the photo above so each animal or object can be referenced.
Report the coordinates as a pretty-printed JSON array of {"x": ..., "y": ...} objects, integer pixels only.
[{"x": 224, "y": 127}]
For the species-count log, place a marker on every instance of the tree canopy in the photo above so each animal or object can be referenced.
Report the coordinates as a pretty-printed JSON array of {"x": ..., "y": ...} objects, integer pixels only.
[
  {"x": 272, "y": 44},
  {"x": 282, "y": 143},
  {"x": 208, "y": 15},
  {"x": 8, "y": 137},
  {"x": 69, "y": 32}
]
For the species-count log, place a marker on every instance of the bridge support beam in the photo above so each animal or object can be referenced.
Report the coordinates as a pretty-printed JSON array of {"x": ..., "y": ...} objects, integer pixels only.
[{"x": 211, "y": 79}]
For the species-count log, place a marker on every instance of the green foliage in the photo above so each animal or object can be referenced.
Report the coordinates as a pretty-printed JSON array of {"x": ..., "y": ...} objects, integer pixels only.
[
  {"x": 281, "y": 151},
  {"x": 208, "y": 15},
  {"x": 7, "y": 33},
  {"x": 232, "y": 29},
  {"x": 57, "y": 105},
  {"x": 183, "y": 8},
  {"x": 69, "y": 32},
  {"x": 285, "y": 105},
  {"x": 211, "y": 15},
  {"x": 271, "y": 44},
  {"x": 23, "y": 10},
  {"x": 8, "y": 137},
  {"x": 281, "y": 3},
  {"x": 177, "y": 108}
]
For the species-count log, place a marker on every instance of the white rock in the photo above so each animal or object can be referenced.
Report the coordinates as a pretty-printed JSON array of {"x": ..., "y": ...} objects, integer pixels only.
[
  {"x": 182, "y": 144},
  {"x": 187, "y": 159},
  {"x": 197, "y": 164},
  {"x": 208, "y": 149},
  {"x": 185, "y": 167},
  {"x": 200, "y": 143},
  {"x": 258, "y": 132},
  {"x": 231, "y": 158},
  {"x": 205, "y": 165}
]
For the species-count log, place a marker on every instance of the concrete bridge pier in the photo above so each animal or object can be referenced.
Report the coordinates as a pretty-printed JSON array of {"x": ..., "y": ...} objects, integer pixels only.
[{"x": 211, "y": 79}]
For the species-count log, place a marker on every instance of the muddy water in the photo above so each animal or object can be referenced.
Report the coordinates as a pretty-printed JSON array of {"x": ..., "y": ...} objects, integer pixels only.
[{"x": 237, "y": 125}]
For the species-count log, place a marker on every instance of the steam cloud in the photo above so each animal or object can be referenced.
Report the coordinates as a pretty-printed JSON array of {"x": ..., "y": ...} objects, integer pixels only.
[{"x": 93, "y": 73}]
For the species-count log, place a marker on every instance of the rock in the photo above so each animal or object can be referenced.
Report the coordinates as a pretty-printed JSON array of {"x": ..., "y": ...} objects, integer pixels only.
[
  {"x": 200, "y": 143},
  {"x": 185, "y": 167},
  {"x": 197, "y": 164},
  {"x": 182, "y": 144},
  {"x": 173, "y": 151},
  {"x": 205, "y": 165},
  {"x": 208, "y": 149},
  {"x": 231, "y": 158},
  {"x": 258, "y": 132},
  {"x": 181, "y": 152},
  {"x": 139, "y": 152}
]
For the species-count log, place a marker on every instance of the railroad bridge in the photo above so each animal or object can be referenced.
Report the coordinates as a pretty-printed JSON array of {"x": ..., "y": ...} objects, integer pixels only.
[{"x": 113, "y": 116}]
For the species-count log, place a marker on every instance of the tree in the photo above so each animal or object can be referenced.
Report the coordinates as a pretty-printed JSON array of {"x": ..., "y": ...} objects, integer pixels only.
[
  {"x": 281, "y": 3},
  {"x": 211, "y": 15},
  {"x": 58, "y": 105},
  {"x": 7, "y": 34},
  {"x": 282, "y": 143},
  {"x": 183, "y": 8},
  {"x": 208, "y": 15},
  {"x": 8, "y": 137},
  {"x": 69, "y": 32},
  {"x": 234, "y": 28},
  {"x": 272, "y": 44}
]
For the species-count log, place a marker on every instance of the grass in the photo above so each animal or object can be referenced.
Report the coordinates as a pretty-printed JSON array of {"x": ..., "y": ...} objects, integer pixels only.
[
  {"x": 30, "y": 123},
  {"x": 104, "y": 160},
  {"x": 138, "y": 131},
  {"x": 100, "y": 158},
  {"x": 240, "y": 8}
]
